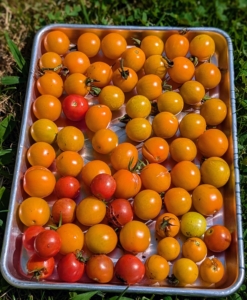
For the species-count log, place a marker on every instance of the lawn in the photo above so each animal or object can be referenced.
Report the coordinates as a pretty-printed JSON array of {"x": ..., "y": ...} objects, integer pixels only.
[{"x": 21, "y": 19}]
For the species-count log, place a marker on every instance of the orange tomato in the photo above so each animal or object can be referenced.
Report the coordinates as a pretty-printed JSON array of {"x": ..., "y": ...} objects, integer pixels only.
[
  {"x": 167, "y": 225},
  {"x": 69, "y": 163},
  {"x": 70, "y": 138},
  {"x": 156, "y": 64},
  {"x": 211, "y": 270},
  {"x": 169, "y": 248},
  {"x": 47, "y": 107},
  {"x": 134, "y": 58},
  {"x": 77, "y": 83},
  {"x": 151, "y": 45},
  {"x": 181, "y": 69},
  {"x": 192, "y": 126},
  {"x": 112, "y": 96},
  {"x": 157, "y": 267},
  {"x": 208, "y": 74},
  {"x": 170, "y": 101},
  {"x": 50, "y": 84},
  {"x": 125, "y": 78},
  {"x": 195, "y": 249},
  {"x": 44, "y": 130},
  {"x": 183, "y": 149},
  {"x": 177, "y": 201},
  {"x": 50, "y": 61},
  {"x": 138, "y": 106},
  {"x": 89, "y": 43},
  {"x": 41, "y": 154},
  {"x": 104, "y": 141},
  {"x": 93, "y": 168},
  {"x": 165, "y": 124},
  {"x": 214, "y": 111},
  {"x": 101, "y": 113},
  {"x": 176, "y": 45},
  {"x": 155, "y": 150},
  {"x": 76, "y": 62},
  {"x": 149, "y": 86},
  {"x": 57, "y": 41},
  {"x": 202, "y": 46},
  {"x": 138, "y": 129},
  {"x": 113, "y": 45},
  {"x": 100, "y": 73},
  {"x": 192, "y": 92}
]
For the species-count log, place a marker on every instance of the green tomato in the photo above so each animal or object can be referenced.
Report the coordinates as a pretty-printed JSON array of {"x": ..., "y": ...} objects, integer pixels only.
[{"x": 193, "y": 224}]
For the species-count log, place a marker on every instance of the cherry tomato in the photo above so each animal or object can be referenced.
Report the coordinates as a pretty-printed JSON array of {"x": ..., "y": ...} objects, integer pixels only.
[
  {"x": 170, "y": 101},
  {"x": 177, "y": 201},
  {"x": 57, "y": 41},
  {"x": 193, "y": 224},
  {"x": 185, "y": 271},
  {"x": 34, "y": 211},
  {"x": 126, "y": 178},
  {"x": 125, "y": 78},
  {"x": 67, "y": 187},
  {"x": 156, "y": 177},
  {"x": 72, "y": 238},
  {"x": 38, "y": 181},
  {"x": 192, "y": 126},
  {"x": 47, "y": 243},
  {"x": 155, "y": 150},
  {"x": 104, "y": 141},
  {"x": 29, "y": 236},
  {"x": 69, "y": 163},
  {"x": 138, "y": 129},
  {"x": 135, "y": 236},
  {"x": 167, "y": 225},
  {"x": 41, "y": 154},
  {"x": 76, "y": 62},
  {"x": 208, "y": 75},
  {"x": 77, "y": 83},
  {"x": 63, "y": 210},
  {"x": 207, "y": 199},
  {"x": 40, "y": 268},
  {"x": 147, "y": 204},
  {"x": 47, "y": 107},
  {"x": 149, "y": 86},
  {"x": 101, "y": 113},
  {"x": 181, "y": 70},
  {"x": 90, "y": 211},
  {"x": 129, "y": 269},
  {"x": 101, "y": 239},
  {"x": 44, "y": 130},
  {"x": 100, "y": 72},
  {"x": 156, "y": 267},
  {"x": 70, "y": 138},
  {"x": 192, "y": 92},
  {"x": 50, "y": 84},
  {"x": 70, "y": 268},
  {"x": 156, "y": 64},
  {"x": 214, "y": 111},
  {"x": 195, "y": 249},
  {"x": 138, "y": 106},
  {"x": 103, "y": 186},
  {"x": 165, "y": 124},
  {"x": 152, "y": 45},
  {"x": 119, "y": 212},
  {"x": 88, "y": 43},
  {"x": 100, "y": 268},
  {"x": 113, "y": 45},
  {"x": 211, "y": 270},
  {"x": 50, "y": 61},
  {"x": 217, "y": 238},
  {"x": 176, "y": 45},
  {"x": 93, "y": 168},
  {"x": 202, "y": 46},
  {"x": 134, "y": 58},
  {"x": 75, "y": 107},
  {"x": 112, "y": 96},
  {"x": 183, "y": 149},
  {"x": 169, "y": 248}
]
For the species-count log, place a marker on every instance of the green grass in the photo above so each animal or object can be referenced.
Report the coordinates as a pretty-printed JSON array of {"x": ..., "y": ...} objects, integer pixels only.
[{"x": 21, "y": 19}]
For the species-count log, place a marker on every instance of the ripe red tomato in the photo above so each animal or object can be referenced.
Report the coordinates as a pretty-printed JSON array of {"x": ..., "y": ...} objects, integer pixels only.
[
  {"x": 67, "y": 187},
  {"x": 63, "y": 209},
  {"x": 103, "y": 186},
  {"x": 47, "y": 243},
  {"x": 29, "y": 236},
  {"x": 129, "y": 269},
  {"x": 40, "y": 268},
  {"x": 100, "y": 268},
  {"x": 217, "y": 238},
  {"x": 75, "y": 107},
  {"x": 71, "y": 267},
  {"x": 119, "y": 212}
]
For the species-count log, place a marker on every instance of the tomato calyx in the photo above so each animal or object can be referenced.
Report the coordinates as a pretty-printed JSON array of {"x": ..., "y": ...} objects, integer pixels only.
[
  {"x": 42, "y": 70},
  {"x": 79, "y": 256},
  {"x": 37, "y": 273},
  {"x": 136, "y": 41},
  {"x": 124, "y": 73},
  {"x": 94, "y": 91},
  {"x": 195, "y": 60},
  {"x": 138, "y": 166},
  {"x": 172, "y": 280},
  {"x": 166, "y": 224}
]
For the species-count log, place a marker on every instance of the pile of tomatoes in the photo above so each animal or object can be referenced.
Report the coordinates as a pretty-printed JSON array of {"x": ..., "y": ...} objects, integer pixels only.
[{"x": 127, "y": 156}]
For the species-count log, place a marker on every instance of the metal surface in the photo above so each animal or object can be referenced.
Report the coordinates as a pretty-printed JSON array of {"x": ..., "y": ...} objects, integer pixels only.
[{"x": 14, "y": 257}]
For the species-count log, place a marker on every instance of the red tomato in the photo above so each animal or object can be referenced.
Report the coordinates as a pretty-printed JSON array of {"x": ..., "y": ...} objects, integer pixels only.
[
  {"x": 63, "y": 209},
  {"x": 103, "y": 186},
  {"x": 100, "y": 268},
  {"x": 47, "y": 243},
  {"x": 119, "y": 212},
  {"x": 29, "y": 236},
  {"x": 129, "y": 269},
  {"x": 217, "y": 238},
  {"x": 40, "y": 268},
  {"x": 67, "y": 187},
  {"x": 75, "y": 107},
  {"x": 71, "y": 267}
]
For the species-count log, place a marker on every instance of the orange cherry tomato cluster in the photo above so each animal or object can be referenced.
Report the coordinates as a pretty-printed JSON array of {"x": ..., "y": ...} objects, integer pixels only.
[{"x": 126, "y": 152}]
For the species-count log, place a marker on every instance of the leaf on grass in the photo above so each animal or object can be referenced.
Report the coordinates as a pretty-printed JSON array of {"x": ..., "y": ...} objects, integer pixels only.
[
  {"x": 86, "y": 296},
  {"x": 120, "y": 297},
  {"x": 9, "y": 80},
  {"x": 6, "y": 127}
]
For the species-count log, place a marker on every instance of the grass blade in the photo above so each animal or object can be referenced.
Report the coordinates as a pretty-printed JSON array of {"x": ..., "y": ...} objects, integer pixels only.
[{"x": 9, "y": 80}]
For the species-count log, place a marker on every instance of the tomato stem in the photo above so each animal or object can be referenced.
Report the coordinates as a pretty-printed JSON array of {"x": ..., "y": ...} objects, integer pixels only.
[
  {"x": 136, "y": 41},
  {"x": 124, "y": 73},
  {"x": 170, "y": 63},
  {"x": 172, "y": 280},
  {"x": 194, "y": 59},
  {"x": 52, "y": 69}
]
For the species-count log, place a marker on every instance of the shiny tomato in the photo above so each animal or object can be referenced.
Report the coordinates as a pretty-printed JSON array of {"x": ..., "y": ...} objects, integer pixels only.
[
  {"x": 193, "y": 224},
  {"x": 104, "y": 141},
  {"x": 165, "y": 124},
  {"x": 214, "y": 111},
  {"x": 90, "y": 211},
  {"x": 57, "y": 41},
  {"x": 185, "y": 271},
  {"x": 147, "y": 204},
  {"x": 124, "y": 156},
  {"x": 192, "y": 92},
  {"x": 192, "y": 126},
  {"x": 211, "y": 270},
  {"x": 119, "y": 212},
  {"x": 29, "y": 236},
  {"x": 207, "y": 199},
  {"x": 76, "y": 62},
  {"x": 63, "y": 210},
  {"x": 126, "y": 178},
  {"x": 183, "y": 149},
  {"x": 50, "y": 84},
  {"x": 34, "y": 211},
  {"x": 75, "y": 107},
  {"x": 134, "y": 58},
  {"x": 167, "y": 225},
  {"x": 101, "y": 239},
  {"x": 217, "y": 238},
  {"x": 112, "y": 96},
  {"x": 177, "y": 201},
  {"x": 156, "y": 177},
  {"x": 38, "y": 181},
  {"x": 70, "y": 138},
  {"x": 93, "y": 168},
  {"x": 40, "y": 268},
  {"x": 181, "y": 69},
  {"x": 156, "y": 267},
  {"x": 100, "y": 268},
  {"x": 89, "y": 43},
  {"x": 156, "y": 64},
  {"x": 155, "y": 150},
  {"x": 44, "y": 130},
  {"x": 149, "y": 86},
  {"x": 50, "y": 61},
  {"x": 113, "y": 45},
  {"x": 129, "y": 269},
  {"x": 71, "y": 267},
  {"x": 69, "y": 163},
  {"x": 100, "y": 73},
  {"x": 152, "y": 45},
  {"x": 138, "y": 129},
  {"x": 72, "y": 238},
  {"x": 77, "y": 83},
  {"x": 135, "y": 236},
  {"x": 47, "y": 243},
  {"x": 41, "y": 154},
  {"x": 170, "y": 101},
  {"x": 47, "y": 107},
  {"x": 176, "y": 45},
  {"x": 101, "y": 113},
  {"x": 67, "y": 187},
  {"x": 169, "y": 248},
  {"x": 195, "y": 249},
  {"x": 208, "y": 75},
  {"x": 125, "y": 78},
  {"x": 103, "y": 186},
  {"x": 202, "y": 46},
  {"x": 138, "y": 106}
]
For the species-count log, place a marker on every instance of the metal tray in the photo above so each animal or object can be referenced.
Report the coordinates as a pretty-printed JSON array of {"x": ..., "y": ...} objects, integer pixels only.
[{"x": 14, "y": 257}]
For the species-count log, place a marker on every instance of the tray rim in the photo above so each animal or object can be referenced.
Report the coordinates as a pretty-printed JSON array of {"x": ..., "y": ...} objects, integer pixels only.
[{"x": 187, "y": 291}]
